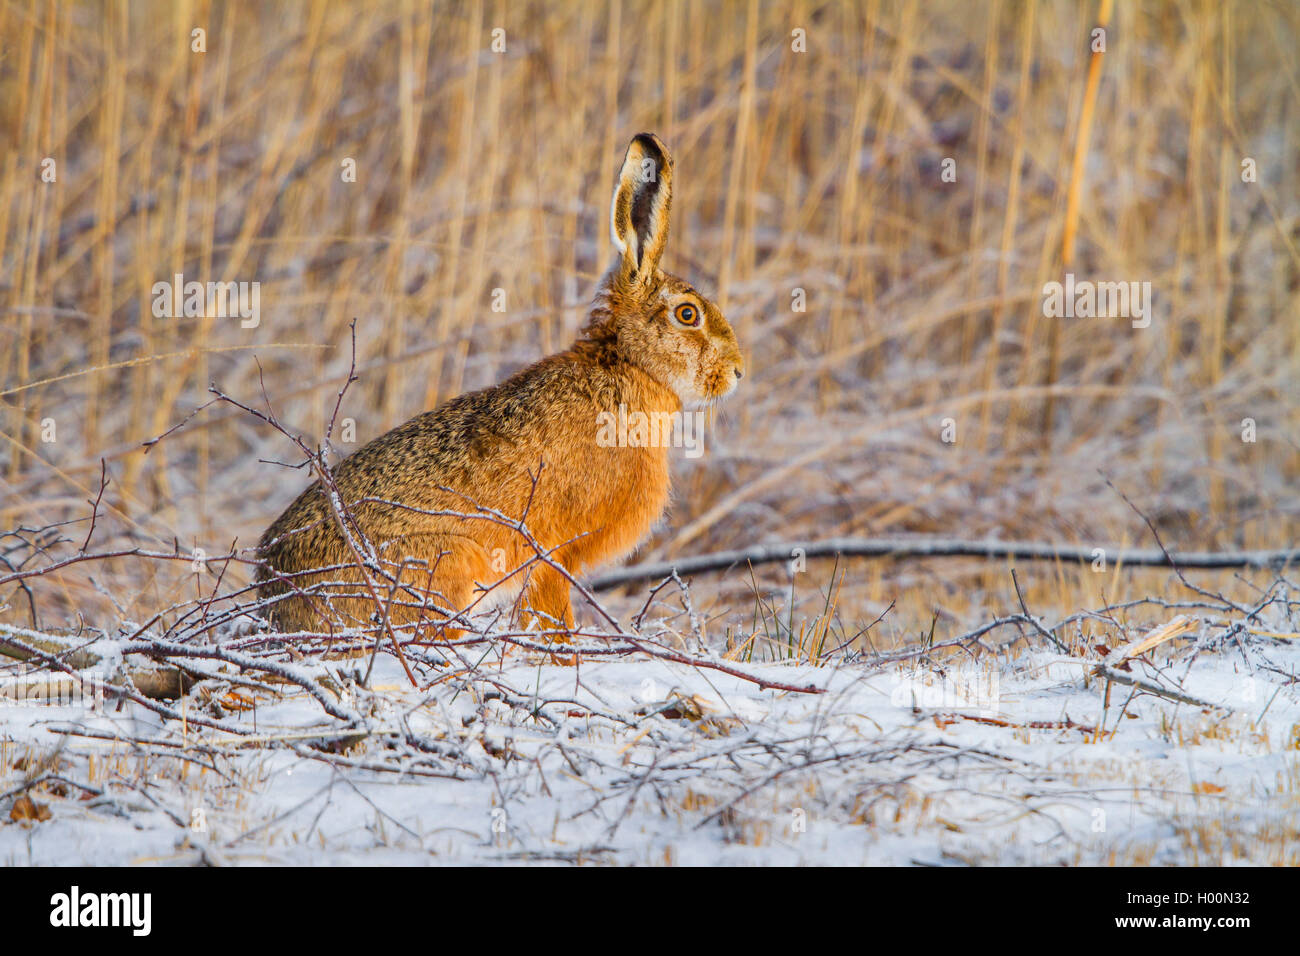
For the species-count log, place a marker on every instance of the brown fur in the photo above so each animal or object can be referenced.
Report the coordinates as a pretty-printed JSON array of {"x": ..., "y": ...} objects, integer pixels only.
[{"x": 481, "y": 450}]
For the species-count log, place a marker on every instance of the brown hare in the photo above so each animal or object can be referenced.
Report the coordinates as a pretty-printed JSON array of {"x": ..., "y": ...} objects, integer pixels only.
[{"x": 435, "y": 498}]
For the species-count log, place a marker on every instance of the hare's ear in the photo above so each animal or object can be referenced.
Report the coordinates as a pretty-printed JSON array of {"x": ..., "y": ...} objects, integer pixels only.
[{"x": 638, "y": 216}]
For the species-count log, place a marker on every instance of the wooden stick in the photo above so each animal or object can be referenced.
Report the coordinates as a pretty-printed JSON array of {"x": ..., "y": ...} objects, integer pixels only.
[
  {"x": 1153, "y": 638},
  {"x": 942, "y": 547},
  {"x": 1120, "y": 677}
]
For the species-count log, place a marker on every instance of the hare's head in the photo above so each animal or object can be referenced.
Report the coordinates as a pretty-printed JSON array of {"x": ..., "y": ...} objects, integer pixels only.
[{"x": 661, "y": 322}]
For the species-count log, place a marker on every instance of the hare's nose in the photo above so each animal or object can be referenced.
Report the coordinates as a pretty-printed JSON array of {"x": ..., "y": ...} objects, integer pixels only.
[{"x": 739, "y": 373}]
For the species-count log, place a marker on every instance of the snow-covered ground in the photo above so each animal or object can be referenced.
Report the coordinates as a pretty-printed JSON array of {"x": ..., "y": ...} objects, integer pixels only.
[{"x": 1015, "y": 758}]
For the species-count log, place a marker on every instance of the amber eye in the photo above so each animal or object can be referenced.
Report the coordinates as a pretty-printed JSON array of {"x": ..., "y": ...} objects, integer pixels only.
[{"x": 687, "y": 314}]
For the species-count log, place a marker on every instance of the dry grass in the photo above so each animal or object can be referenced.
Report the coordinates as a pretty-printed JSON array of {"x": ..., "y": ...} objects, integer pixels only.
[{"x": 818, "y": 171}]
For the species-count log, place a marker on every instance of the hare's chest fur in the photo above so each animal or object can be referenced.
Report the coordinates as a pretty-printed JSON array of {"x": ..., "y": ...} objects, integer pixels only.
[{"x": 608, "y": 499}]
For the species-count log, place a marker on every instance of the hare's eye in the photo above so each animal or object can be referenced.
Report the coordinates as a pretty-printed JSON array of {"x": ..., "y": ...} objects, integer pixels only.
[{"x": 687, "y": 314}]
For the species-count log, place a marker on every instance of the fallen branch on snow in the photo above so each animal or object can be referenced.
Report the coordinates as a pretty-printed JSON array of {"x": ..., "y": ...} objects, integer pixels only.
[{"x": 943, "y": 548}]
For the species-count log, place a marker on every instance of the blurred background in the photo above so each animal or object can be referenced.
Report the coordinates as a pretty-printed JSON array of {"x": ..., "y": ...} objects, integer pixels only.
[{"x": 875, "y": 192}]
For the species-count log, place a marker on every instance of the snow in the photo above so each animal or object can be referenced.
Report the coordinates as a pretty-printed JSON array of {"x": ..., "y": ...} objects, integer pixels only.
[{"x": 936, "y": 765}]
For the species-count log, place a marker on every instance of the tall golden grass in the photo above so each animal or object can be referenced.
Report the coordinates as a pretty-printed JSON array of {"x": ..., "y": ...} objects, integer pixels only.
[{"x": 819, "y": 171}]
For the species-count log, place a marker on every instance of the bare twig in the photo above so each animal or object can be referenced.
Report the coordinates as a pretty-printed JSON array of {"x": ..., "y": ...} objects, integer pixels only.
[{"x": 921, "y": 547}]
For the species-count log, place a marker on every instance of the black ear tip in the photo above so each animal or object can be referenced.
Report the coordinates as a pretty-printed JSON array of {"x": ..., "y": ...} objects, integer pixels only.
[{"x": 651, "y": 143}]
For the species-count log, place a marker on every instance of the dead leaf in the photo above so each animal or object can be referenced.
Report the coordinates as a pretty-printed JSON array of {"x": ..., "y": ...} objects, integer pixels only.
[
  {"x": 237, "y": 702},
  {"x": 696, "y": 710},
  {"x": 25, "y": 808}
]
